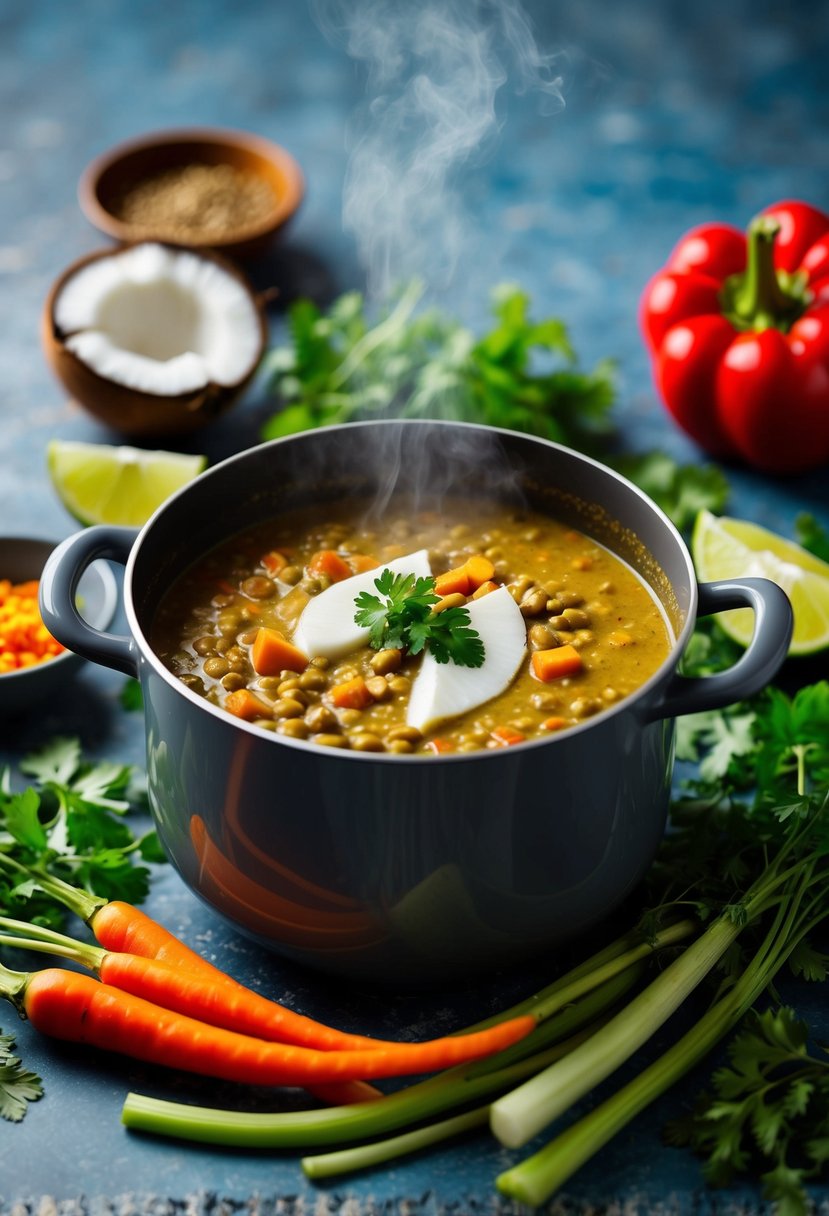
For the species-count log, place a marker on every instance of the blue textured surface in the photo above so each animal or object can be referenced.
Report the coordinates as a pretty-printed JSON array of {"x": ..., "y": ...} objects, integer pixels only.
[{"x": 674, "y": 114}]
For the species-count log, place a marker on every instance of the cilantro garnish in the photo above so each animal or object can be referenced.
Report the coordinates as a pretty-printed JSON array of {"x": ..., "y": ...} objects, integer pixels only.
[
  {"x": 18, "y": 1086},
  {"x": 403, "y": 617}
]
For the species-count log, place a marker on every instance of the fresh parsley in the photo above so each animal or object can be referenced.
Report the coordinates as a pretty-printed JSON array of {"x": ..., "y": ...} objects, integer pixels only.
[
  {"x": 768, "y": 1113},
  {"x": 682, "y": 491},
  {"x": 402, "y": 616},
  {"x": 131, "y": 697},
  {"x": 18, "y": 1086},
  {"x": 72, "y": 822},
  {"x": 522, "y": 374}
]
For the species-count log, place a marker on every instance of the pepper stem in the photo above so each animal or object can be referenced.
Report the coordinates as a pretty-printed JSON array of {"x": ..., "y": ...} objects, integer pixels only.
[{"x": 763, "y": 297}]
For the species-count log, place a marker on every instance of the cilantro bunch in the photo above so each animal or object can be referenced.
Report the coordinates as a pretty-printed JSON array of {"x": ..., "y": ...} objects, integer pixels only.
[
  {"x": 768, "y": 1112},
  {"x": 70, "y": 822},
  {"x": 404, "y": 619},
  {"x": 18, "y": 1086},
  {"x": 522, "y": 374}
]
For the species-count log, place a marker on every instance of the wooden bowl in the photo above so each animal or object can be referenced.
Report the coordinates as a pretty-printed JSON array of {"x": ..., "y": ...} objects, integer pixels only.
[
  {"x": 130, "y": 411},
  {"x": 110, "y": 177}
]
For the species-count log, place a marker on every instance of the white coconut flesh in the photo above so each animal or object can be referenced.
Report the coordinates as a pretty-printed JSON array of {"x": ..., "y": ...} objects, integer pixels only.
[
  {"x": 160, "y": 320},
  {"x": 444, "y": 690},
  {"x": 327, "y": 626}
]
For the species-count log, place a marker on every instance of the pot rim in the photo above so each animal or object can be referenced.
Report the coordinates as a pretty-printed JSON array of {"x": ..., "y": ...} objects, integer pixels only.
[{"x": 625, "y": 705}]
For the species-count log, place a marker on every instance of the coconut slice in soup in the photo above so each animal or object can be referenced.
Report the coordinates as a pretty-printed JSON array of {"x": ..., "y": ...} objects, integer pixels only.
[
  {"x": 444, "y": 690},
  {"x": 327, "y": 626}
]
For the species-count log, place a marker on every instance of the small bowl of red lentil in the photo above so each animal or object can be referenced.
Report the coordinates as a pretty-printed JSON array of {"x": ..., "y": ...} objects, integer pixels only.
[
  {"x": 33, "y": 665},
  {"x": 206, "y": 188}
]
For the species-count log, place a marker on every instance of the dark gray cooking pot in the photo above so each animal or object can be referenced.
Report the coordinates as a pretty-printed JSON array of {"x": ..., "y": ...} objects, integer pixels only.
[{"x": 397, "y": 868}]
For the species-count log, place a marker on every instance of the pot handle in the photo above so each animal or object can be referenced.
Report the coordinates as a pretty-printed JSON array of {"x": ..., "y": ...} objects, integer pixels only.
[
  {"x": 59, "y": 585},
  {"x": 773, "y": 624}
]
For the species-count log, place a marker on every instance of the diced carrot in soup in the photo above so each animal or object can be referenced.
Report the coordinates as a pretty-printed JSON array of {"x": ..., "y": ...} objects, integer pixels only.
[
  {"x": 352, "y": 694},
  {"x": 453, "y": 581},
  {"x": 243, "y": 704},
  {"x": 479, "y": 569},
  {"x": 328, "y": 561},
  {"x": 553, "y": 664},
  {"x": 272, "y": 653}
]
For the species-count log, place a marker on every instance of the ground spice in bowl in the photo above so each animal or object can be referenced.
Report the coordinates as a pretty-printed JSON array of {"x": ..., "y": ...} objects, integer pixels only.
[
  {"x": 196, "y": 202},
  {"x": 203, "y": 187}
]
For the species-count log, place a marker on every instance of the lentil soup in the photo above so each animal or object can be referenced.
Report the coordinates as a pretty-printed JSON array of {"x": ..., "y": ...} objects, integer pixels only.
[{"x": 594, "y": 631}]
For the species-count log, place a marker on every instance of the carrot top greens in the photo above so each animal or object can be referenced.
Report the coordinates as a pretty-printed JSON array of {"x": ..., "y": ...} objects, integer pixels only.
[{"x": 403, "y": 617}]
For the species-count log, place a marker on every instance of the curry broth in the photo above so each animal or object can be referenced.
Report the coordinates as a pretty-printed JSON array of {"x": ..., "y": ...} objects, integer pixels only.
[{"x": 570, "y": 589}]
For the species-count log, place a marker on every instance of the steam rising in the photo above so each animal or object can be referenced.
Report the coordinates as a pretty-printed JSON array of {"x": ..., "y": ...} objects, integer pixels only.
[
  {"x": 424, "y": 464},
  {"x": 433, "y": 72},
  {"x": 434, "y": 69}
]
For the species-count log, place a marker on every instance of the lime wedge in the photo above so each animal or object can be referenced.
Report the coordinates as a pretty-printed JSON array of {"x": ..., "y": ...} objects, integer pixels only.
[
  {"x": 100, "y": 484},
  {"x": 728, "y": 548}
]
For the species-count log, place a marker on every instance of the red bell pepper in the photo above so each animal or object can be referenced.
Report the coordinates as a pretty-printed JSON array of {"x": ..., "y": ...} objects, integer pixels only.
[{"x": 738, "y": 327}]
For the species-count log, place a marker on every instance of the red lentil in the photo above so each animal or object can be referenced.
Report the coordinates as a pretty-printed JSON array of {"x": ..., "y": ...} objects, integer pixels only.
[{"x": 24, "y": 639}]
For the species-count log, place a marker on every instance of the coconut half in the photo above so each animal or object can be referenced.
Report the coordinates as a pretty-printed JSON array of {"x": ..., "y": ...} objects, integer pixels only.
[{"x": 153, "y": 339}]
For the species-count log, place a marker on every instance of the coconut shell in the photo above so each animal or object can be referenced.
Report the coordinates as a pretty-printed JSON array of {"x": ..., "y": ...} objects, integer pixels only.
[{"x": 133, "y": 412}]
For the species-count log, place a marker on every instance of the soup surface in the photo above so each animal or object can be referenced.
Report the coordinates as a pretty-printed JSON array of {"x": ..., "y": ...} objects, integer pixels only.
[{"x": 591, "y": 632}]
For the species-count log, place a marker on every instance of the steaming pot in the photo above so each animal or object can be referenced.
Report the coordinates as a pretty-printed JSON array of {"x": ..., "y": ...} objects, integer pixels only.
[{"x": 407, "y": 869}]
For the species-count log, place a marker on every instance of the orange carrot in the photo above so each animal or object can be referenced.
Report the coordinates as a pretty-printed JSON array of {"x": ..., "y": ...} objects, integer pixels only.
[
  {"x": 232, "y": 1008},
  {"x": 452, "y": 581},
  {"x": 271, "y": 654},
  {"x": 480, "y": 570},
  {"x": 484, "y": 589},
  {"x": 124, "y": 929},
  {"x": 246, "y": 706},
  {"x": 439, "y": 746},
  {"x": 361, "y": 562},
  {"x": 554, "y": 723},
  {"x": 352, "y": 694},
  {"x": 79, "y": 1009},
  {"x": 553, "y": 664},
  {"x": 274, "y": 562},
  {"x": 328, "y": 561},
  {"x": 506, "y": 736}
]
